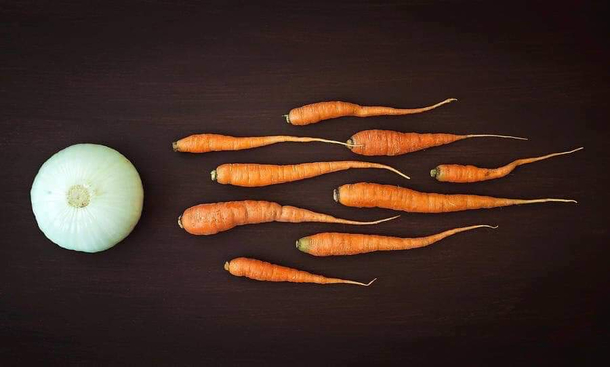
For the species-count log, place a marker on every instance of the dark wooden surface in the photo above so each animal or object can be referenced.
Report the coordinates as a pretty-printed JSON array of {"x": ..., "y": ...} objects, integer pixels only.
[{"x": 136, "y": 77}]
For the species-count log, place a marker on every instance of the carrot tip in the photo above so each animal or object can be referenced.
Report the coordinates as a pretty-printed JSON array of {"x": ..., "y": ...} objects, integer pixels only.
[
  {"x": 175, "y": 146},
  {"x": 434, "y": 172},
  {"x": 226, "y": 266},
  {"x": 369, "y": 283},
  {"x": 287, "y": 117},
  {"x": 180, "y": 222},
  {"x": 336, "y": 195},
  {"x": 213, "y": 175}
]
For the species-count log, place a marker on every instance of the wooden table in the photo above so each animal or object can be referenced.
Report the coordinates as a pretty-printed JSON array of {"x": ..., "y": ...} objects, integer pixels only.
[{"x": 137, "y": 77}]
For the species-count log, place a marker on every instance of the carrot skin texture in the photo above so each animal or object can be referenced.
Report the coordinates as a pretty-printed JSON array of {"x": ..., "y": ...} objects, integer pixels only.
[
  {"x": 337, "y": 244},
  {"x": 257, "y": 175},
  {"x": 212, "y": 218},
  {"x": 370, "y": 195},
  {"x": 316, "y": 112},
  {"x": 203, "y": 143},
  {"x": 267, "y": 272},
  {"x": 467, "y": 173},
  {"x": 392, "y": 143}
]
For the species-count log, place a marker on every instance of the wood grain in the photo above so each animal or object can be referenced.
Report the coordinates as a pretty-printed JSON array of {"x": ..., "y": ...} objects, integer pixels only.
[{"x": 137, "y": 77}]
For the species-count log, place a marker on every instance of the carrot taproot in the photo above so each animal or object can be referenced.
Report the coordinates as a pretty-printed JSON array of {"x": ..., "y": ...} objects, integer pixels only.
[
  {"x": 458, "y": 173},
  {"x": 391, "y": 143},
  {"x": 267, "y": 272},
  {"x": 316, "y": 112},
  {"x": 333, "y": 244},
  {"x": 203, "y": 143},
  {"x": 369, "y": 195},
  {"x": 257, "y": 175},
  {"x": 207, "y": 219}
]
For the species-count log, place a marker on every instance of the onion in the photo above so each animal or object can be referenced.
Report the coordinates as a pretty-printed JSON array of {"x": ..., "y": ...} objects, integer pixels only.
[{"x": 87, "y": 197}]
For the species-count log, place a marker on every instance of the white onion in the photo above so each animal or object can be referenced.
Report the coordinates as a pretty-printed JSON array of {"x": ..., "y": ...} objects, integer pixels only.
[{"x": 87, "y": 197}]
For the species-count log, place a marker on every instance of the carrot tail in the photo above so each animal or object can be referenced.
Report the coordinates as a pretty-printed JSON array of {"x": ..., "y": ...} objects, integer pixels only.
[
  {"x": 307, "y": 140},
  {"x": 344, "y": 281},
  {"x": 359, "y": 223},
  {"x": 392, "y": 169},
  {"x": 366, "y": 111},
  {"x": 520, "y": 162},
  {"x": 494, "y": 136},
  {"x": 428, "y": 108},
  {"x": 533, "y": 201},
  {"x": 359, "y": 283}
]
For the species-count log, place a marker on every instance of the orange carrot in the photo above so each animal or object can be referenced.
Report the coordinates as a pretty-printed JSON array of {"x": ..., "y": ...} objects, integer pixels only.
[
  {"x": 203, "y": 143},
  {"x": 256, "y": 175},
  {"x": 332, "y": 244},
  {"x": 387, "y": 142},
  {"x": 267, "y": 272},
  {"x": 463, "y": 174},
  {"x": 316, "y": 112},
  {"x": 206, "y": 219},
  {"x": 369, "y": 195}
]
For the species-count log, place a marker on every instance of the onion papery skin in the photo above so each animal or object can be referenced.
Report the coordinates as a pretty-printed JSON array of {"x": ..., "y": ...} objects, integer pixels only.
[{"x": 87, "y": 197}]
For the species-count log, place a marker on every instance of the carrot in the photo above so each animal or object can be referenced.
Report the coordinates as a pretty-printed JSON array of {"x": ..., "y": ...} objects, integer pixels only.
[
  {"x": 387, "y": 142},
  {"x": 256, "y": 175},
  {"x": 332, "y": 244},
  {"x": 203, "y": 143},
  {"x": 316, "y": 112},
  {"x": 463, "y": 174},
  {"x": 267, "y": 272},
  {"x": 206, "y": 219},
  {"x": 369, "y": 195}
]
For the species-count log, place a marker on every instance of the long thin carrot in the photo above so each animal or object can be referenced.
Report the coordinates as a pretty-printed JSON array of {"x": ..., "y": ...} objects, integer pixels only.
[
  {"x": 207, "y": 219},
  {"x": 387, "y": 142},
  {"x": 256, "y": 175},
  {"x": 369, "y": 195},
  {"x": 267, "y": 272},
  {"x": 333, "y": 244},
  {"x": 203, "y": 143},
  {"x": 463, "y": 174},
  {"x": 316, "y": 112}
]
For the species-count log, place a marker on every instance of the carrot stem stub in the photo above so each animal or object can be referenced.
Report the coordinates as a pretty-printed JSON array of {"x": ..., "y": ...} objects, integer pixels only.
[
  {"x": 267, "y": 272},
  {"x": 369, "y": 195},
  {"x": 457, "y": 173},
  {"x": 316, "y": 112},
  {"x": 336, "y": 244}
]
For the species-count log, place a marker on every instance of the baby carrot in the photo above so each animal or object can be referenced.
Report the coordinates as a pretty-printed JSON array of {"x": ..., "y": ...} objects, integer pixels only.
[
  {"x": 256, "y": 175},
  {"x": 369, "y": 195},
  {"x": 267, "y": 272},
  {"x": 316, "y": 112},
  {"x": 463, "y": 174},
  {"x": 203, "y": 143},
  {"x": 332, "y": 244},
  {"x": 207, "y": 219},
  {"x": 387, "y": 142}
]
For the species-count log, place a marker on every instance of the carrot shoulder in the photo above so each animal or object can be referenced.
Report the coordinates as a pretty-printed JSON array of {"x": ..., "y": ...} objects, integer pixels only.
[
  {"x": 316, "y": 112},
  {"x": 369, "y": 195},
  {"x": 208, "y": 219},
  {"x": 333, "y": 244},
  {"x": 257, "y": 175},
  {"x": 267, "y": 272}
]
